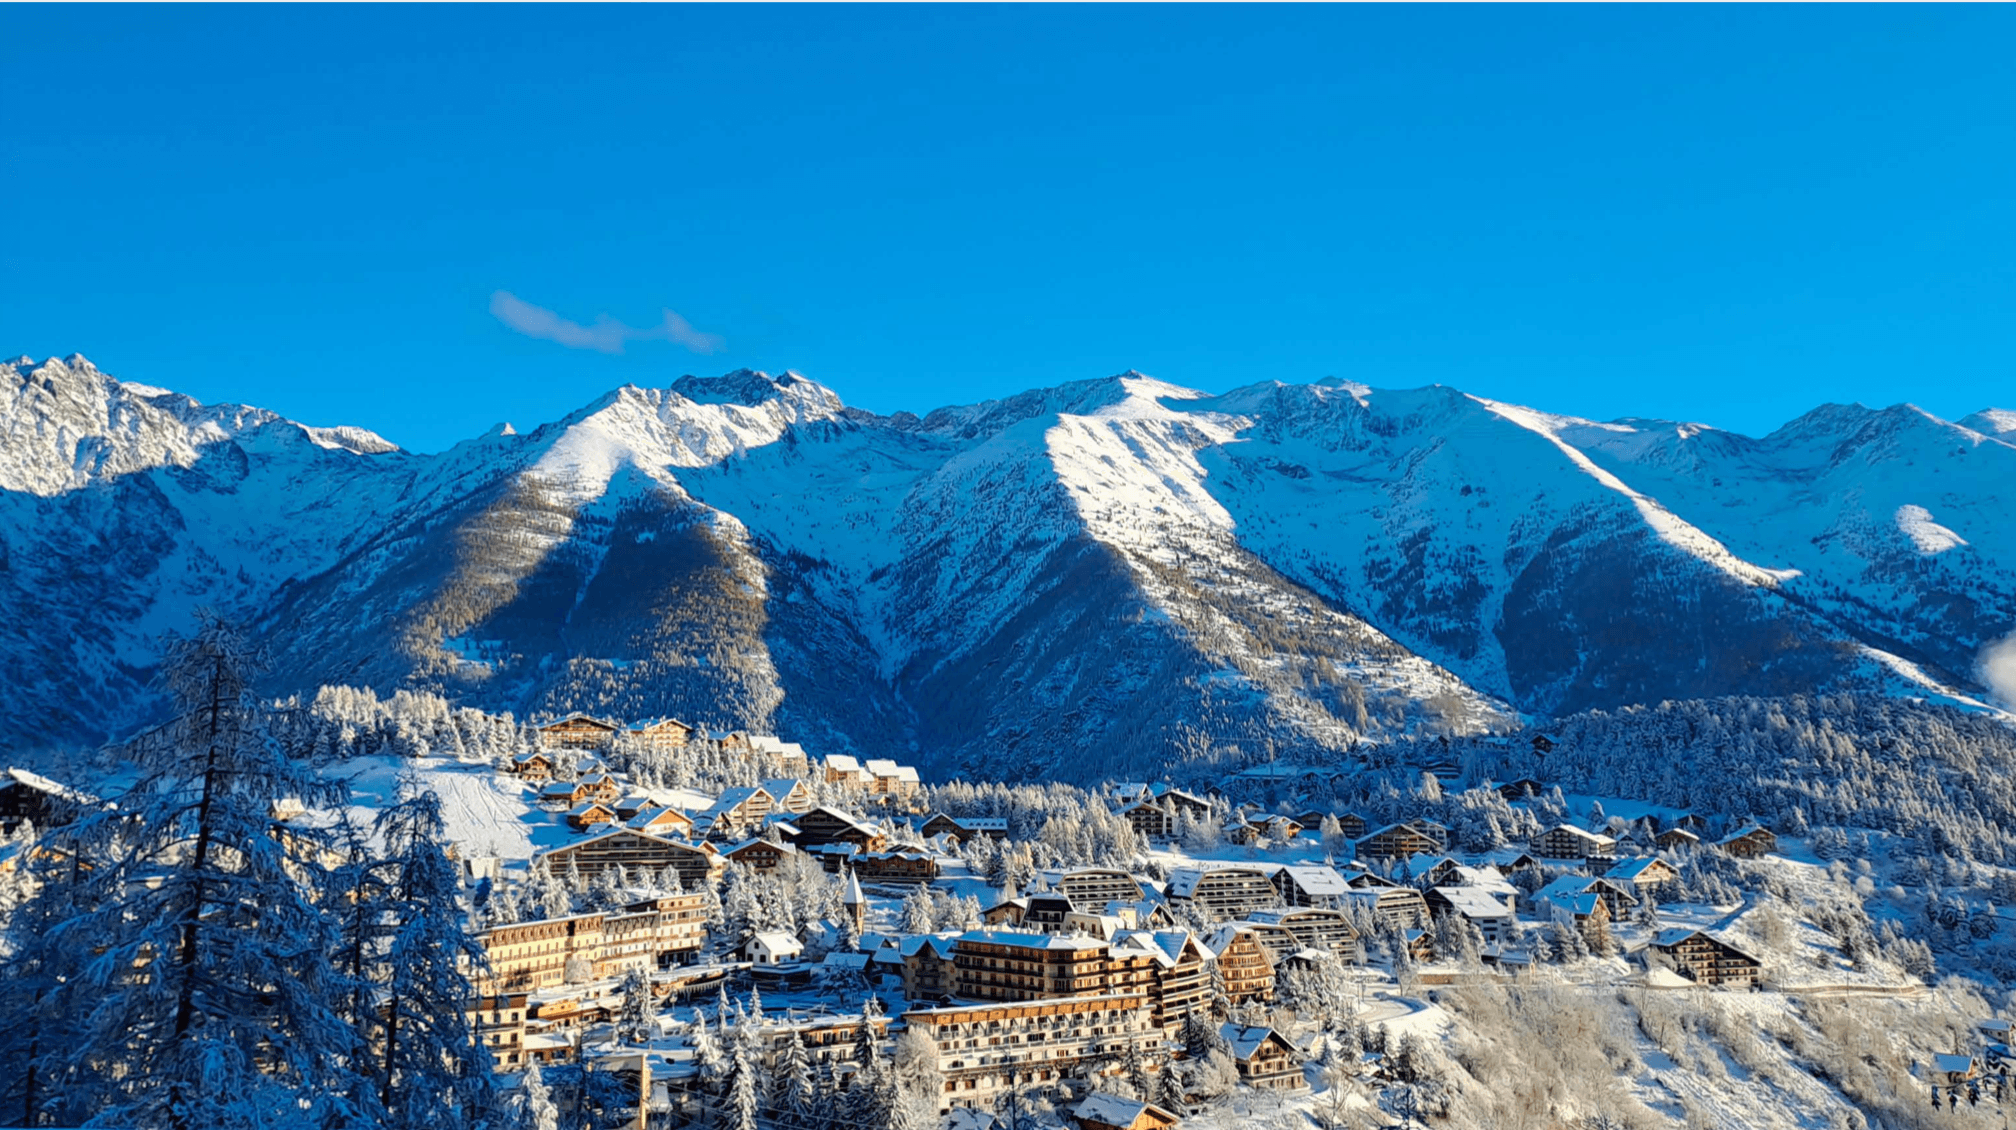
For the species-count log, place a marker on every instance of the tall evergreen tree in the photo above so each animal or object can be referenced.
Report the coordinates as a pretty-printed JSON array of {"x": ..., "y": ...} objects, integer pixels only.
[
  {"x": 205, "y": 986},
  {"x": 433, "y": 1067}
]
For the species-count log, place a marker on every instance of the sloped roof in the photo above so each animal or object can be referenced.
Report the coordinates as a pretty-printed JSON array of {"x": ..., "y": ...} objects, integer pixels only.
[
  {"x": 1472, "y": 902},
  {"x": 1316, "y": 879},
  {"x": 1247, "y": 1039},
  {"x": 842, "y": 763},
  {"x": 1113, "y": 1110}
]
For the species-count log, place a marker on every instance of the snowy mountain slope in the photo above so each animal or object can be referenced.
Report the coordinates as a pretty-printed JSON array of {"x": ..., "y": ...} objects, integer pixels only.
[{"x": 1086, "y": 580}]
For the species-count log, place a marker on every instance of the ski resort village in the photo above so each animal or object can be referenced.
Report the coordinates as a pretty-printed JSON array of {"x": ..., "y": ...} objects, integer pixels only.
[{"x": 603, "y": 922}]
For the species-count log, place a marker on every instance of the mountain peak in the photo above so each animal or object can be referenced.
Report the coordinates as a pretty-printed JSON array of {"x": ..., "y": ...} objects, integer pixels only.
[{"x": 1991, "y": 422}]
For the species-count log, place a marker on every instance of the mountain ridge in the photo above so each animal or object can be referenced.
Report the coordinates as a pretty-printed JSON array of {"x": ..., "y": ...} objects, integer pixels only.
[{"x": 1109, "y": 575}]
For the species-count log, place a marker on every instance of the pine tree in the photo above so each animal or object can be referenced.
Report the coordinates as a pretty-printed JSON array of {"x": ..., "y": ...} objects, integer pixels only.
[
  {"x": 536, "y": 1110},
  {"x": 796, "y": 1090},
  {"x": 637, "y": 1018},
  {"x": 745, "y": 1085},
  {"x": 434, "y": 1068},
  {"x": 207, "y": 968}
]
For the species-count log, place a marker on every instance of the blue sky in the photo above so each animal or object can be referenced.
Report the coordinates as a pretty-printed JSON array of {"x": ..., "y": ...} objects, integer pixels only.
[{"x": 1726, "y": 214}]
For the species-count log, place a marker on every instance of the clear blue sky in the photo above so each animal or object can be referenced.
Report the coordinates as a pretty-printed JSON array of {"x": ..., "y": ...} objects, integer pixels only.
[{"x": 1727, "y": 214}]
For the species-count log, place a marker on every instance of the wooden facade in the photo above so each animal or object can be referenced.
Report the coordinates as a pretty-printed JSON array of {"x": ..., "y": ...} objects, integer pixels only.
[
  {"x": 1245, "y": 967},
  {"x": 628, "y": 847},
  {"x": 987, "y": 1049},
  {"x": 577, "y": 731},
  {"x": 1710, "y": 961}
]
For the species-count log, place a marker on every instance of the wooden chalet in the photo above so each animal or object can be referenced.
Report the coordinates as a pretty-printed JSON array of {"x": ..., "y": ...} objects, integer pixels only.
[
  {"x": 789, "y": 795},
  {"x": 535, "y": 767},
  {"x": 1245, "y": 967},
  {"x": 1701, "y": 957},
  {"x": 661, "y": 822},
  {"x": 1566, "y": 841},
  {"x": 1677, "y": 839},
  {"x": 590, "y": 814},
  {"x": 964, "y": 828},
  {"x": 759, "y": 855},
  {"x": 907, "y": 867},
  {"x": 577, "y": 731},
  {"x": 827, "y": 825},
  {"x": 1398, "y": 841},
  {"x": 735, "y": 810},
  {"x": 31, "y": 798},
  {"x": 1749, "y": 842},
  {"x": 627, "y": 847},
  {"x": 1642, "y": 876},
  {"x": 1521, "y": 789},
  {"x": 661, "y": 734},
  {"x": 1266, "y": 1060},
  {"x": 1352, "y": 825}
]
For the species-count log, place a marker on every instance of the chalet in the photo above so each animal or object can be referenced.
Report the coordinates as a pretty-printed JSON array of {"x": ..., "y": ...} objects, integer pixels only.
[
  {"x": 789, "y": 794},
  {"x": 1027, "y": 966},
  {"x": 1149, "y": 819},
  {"x": 1953, "y": 1071},
  {"x": 1351, "y": 825},
  {"x": 1677, "y": 839},
  {"x": 1278, "y": 829},
  {"x": 964, "y": 828},
  {"x": 1693, "y": 822},
  {"x": 576, "y": 731},
  {"x": 1566, "y": 841},
  {"x": 1749, "y": 842},
  {"x": 599, "y": 786},
  {"x": 1223, "y": 890},
  {"x": 590, "y": 814},
  {"x": 1245, "y": 967},
  {"x": 630, "y": 848},
  {"x": 1521, "y": 789},
  {"x": 772, "y": 947},
  {"x": 1398, "y": 841},
  {"x": 827, "y": 825},
  {"x": 1708, "y": 960},
  {"x": 909, "y": 867},
  {"x": 1586, "y": 910},
  {"x": 661, "y": 822},
  {"x": 1429, "y": 869},
  {"x": 631, "y": 805},
  {"x": 1266, "y": 1060},
  {"x": 1313, "y": 929},
  {"x": 889, "y": 781},
  {"x": 569, "y": 793},
  {"x": 1310, "y": 884},
  {"x": 841, "y": 769},
  {"x": 731, "y": 741},
  {"x": 928, "y": 969},
  {"x": 534, "y": 767},
  {"x": 1399, "y": 906},
  {"x": 660, "y": 734},
  {"x": 1642, "y": 876},
  {"x": 1359, "y": 879},
  {"x": 1491, "y": 916},
  {"x": 1545, "y": 743},
  {"x": 759, "y": 855},
  {"x": 1568, "y": 889},
  {"x": 735, "y": 810},
  {"x": 1179, "y": 981},
  {"x": 1091, "y": 888},
  {"x": 789, "y": 758},
  {"x": 1103, "y": 1111}
]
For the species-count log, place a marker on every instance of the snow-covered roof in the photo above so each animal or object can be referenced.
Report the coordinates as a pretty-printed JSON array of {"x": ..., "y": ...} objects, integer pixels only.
[
  {"x": 1247, "y": 1039},
  {"x": 842, "y": 763},
  {"x": 1583, "y": 833},
  {"x": 1632, "y": 868},
  {"x": 642, "y": 724},
  {"x": 1473, "y": 902},
  {"x": 1954, "y": 1063},
  {"x": 650, "y": 816},
  {"x": 1183, "y": 880},
  {"x": 779, "y": 787},
  {"x": 777, "y": 941},
  {"x": 1316, "y": 879},
  {"x": 1112, "y": 1110}
]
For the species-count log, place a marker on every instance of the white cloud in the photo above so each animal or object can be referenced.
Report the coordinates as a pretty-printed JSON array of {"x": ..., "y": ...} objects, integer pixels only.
[
  {"x": 1998, "y": 669},
  {"x": 605, "y": 335}
]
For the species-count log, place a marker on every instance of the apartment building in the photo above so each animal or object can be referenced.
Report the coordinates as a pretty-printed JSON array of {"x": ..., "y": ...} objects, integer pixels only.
[{"x": 987, "y": 1049}]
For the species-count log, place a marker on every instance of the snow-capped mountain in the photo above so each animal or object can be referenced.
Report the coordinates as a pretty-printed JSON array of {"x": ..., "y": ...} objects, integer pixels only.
[{"x": 1105, "y": 577}]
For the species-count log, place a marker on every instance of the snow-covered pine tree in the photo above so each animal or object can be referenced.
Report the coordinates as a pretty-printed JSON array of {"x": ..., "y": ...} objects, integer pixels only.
[
  {"x": 434, "y": 1068},
  {"x": 637, "y": 1017},
  {"x": 535, "y": 1108},
  {"x": 207, "y": 968},
  {"x": 794, "y": 1088}
]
